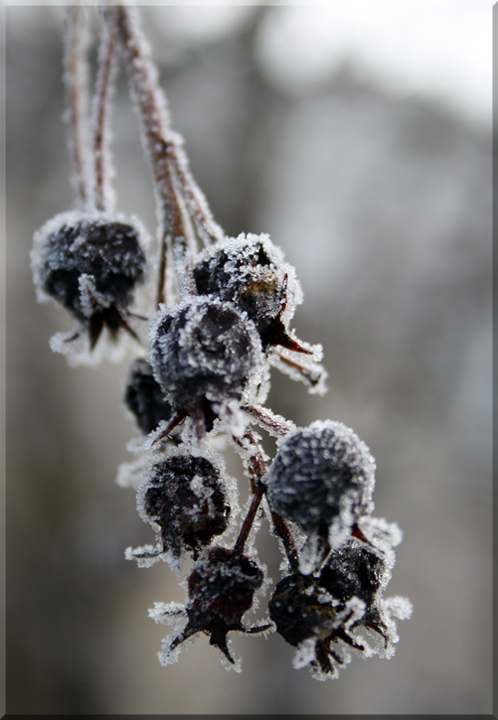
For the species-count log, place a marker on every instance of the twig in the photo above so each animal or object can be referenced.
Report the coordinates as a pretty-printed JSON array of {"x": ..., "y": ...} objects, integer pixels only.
[
  {"x": 101, "y": 108},
  {"x": 176, "y": 235},
  {"x": 76, "y": 83}
]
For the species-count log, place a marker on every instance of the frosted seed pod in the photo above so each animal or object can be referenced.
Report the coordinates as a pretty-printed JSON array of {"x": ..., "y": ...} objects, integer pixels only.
[
  {"x": 221, "y": 589},
  {"x": 250, "y": 272},
  {"x": 186, "y": 497},
  {"x": 306, "y": 617},
  {"x": 322, "y": 479},
  {"x": 203, "y": 353},
  {"x": 144, "y": 397},
  {"x": 295, "y": 609},
  {"x": 91, "y": 264},
  {"x": 355, "y": 571}
]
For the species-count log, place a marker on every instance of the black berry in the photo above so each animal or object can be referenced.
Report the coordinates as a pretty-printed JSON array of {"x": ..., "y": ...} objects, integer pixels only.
[
  {"x": 90, "y": 264},
  {"x": 221, "y": 589},
  {"x": 296, "y": 610},
  {"x": 250, "y": 272},
  {"x": 186, "y": 497},
  {"x": 353, "y": 571},
  {"x": 144, "y": 397},
  {"x": 322, "y": 478},
  {"x": 205, "y": 352}
]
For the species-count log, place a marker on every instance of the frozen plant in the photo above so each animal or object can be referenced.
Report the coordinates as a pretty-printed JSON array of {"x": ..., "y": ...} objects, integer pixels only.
[{"x": 200, "y": 373}]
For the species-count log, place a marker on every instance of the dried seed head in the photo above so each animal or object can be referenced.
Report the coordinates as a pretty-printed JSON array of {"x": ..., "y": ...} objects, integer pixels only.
[
  {"x": 221, "y": 589},
  {"x": 90, "y": 263},
  {"x": 354, "y": 571},
  {"x": 297, "y": 610},
  {"x": 206, "y": 351},
  {"x": 185, "y": 496},
  {"x": 144, "y": 397},
  {"x": 250, "y": 272},
  {"x": 322, "y": 479}
]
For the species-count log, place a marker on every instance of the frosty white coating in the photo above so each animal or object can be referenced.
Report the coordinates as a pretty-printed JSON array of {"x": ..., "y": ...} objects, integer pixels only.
[
  {"x": 322, "y": 476},
  {"x": 203, "y": 348}
]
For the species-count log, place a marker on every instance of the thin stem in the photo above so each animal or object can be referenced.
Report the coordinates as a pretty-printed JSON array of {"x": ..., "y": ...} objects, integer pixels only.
[
  {"x": 76, "y": 83},
  {"x": 257, "y": 469},
  {"x": 283, "y": 532},
  {"x": 249, "y": 520},
  {"x": 101, "y": 106},
  {"x": 176, "y": 235}
]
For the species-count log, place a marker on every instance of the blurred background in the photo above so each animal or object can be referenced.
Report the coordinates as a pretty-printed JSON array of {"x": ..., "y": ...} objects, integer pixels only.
[{"x": 362, "y": 143}]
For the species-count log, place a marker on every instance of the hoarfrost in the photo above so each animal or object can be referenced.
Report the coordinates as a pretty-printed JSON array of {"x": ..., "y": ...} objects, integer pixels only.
[
  {"x": 322, "y": 475},
  {"x": 305, "y": 653}
]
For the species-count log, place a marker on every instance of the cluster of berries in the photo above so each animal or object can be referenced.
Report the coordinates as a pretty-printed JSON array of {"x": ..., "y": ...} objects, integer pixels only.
[{"x": 222, "y": 319}]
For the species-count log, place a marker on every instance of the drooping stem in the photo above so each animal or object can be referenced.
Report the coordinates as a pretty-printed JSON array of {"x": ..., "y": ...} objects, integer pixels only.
[
  {"x": 177, "y": 239},
  {"x": 283, "y": 532},
  {"x": 101, "y": 109},
  {"x": 76, "y": 85}
]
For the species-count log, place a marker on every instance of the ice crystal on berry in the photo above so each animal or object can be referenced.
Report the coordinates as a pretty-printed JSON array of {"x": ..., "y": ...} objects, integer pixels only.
[
  {"x": 322, "y": 479},
  {"x": 91, "y": 264}
]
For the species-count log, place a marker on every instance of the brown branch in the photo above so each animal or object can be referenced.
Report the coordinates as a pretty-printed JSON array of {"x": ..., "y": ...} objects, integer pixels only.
[
  {"x": 76, "y": 84},
  {"x": 175, "y": 231},
  {"x": 103, "y": 90}
]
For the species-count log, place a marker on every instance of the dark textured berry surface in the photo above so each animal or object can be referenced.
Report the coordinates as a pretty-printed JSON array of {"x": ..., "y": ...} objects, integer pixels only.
[
  {"x": 319, "y": 473},
  {"x": 109, "y": 252},
  {"x": 186, "y": 498},
  {"x": 295, "y": 608},
  {"x": 144, "y": 397},
  {"x": 204, "y": 349},
  {"x": 353, "y": 570},
  {"x": 221, "y": 589},
  {"x": 250, "y": 272}
]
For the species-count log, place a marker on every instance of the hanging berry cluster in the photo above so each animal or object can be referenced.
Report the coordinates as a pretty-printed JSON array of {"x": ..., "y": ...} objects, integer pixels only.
[{"x": 221, "y": 319}]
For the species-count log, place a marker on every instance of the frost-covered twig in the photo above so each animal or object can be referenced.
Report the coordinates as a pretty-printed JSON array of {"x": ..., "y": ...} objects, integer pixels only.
[
  {"x": 76, "y": 40},
  {"x": 104, "y": 90}
]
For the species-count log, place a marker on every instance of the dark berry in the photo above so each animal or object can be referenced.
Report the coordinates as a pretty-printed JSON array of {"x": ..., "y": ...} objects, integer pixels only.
[
  {"x": 296, "y": 610},
  {"x": 90, "y": 264},
  {"x": 203, "y": 352},
  {"x": 144, "y": 397},
  {"x": 221, "y": 589},
  {"x": 250, "y": 272},
  {"x": 186, "y": 497},
  {"x": 353, "y": 571},
  {"x": 322, "y": 479}
]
